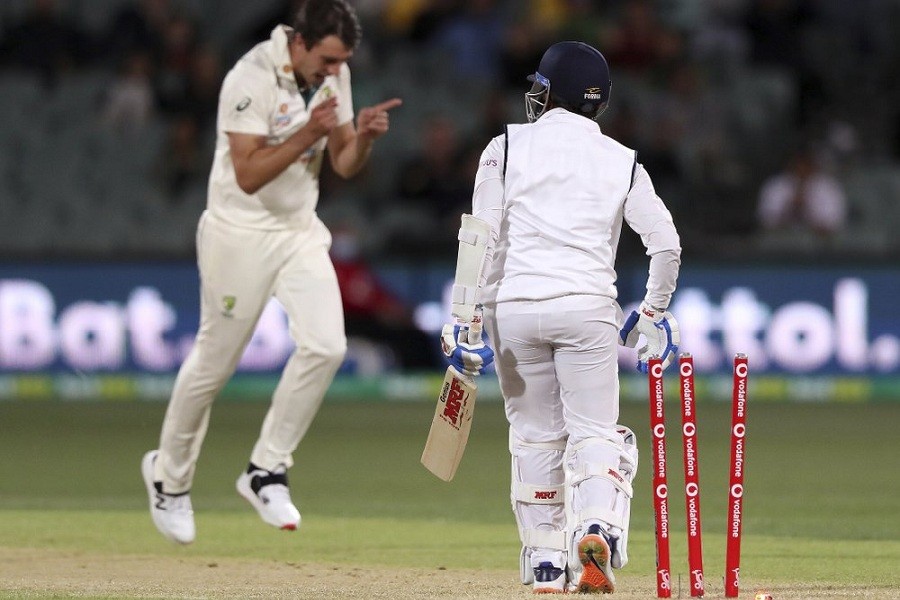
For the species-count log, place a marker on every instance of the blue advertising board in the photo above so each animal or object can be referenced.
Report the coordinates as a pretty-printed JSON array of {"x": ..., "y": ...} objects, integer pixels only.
[
  {"x": 790, "y": 320},
  {"x": 140, "y": 318}
]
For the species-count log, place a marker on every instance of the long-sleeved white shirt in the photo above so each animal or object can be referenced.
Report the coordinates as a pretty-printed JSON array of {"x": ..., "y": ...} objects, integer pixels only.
[{"x": 557, "y": 214}]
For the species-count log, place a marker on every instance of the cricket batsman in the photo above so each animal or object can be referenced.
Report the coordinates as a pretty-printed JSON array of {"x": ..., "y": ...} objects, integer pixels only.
[{"x": 550, "y": 197}]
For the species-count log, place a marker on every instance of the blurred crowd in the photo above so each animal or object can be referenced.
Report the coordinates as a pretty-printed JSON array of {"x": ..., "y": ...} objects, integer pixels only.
[{"x": 771, "y": 128}]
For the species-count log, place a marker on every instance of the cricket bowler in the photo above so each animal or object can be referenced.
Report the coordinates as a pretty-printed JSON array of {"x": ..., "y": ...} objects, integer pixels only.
[{"x": 284, "y": 106}]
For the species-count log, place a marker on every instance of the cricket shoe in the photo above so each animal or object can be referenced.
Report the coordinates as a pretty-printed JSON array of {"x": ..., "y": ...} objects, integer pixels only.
[
  {"x": 267, "y": 492},
  {"x": 594, "y": 554},
  {"x": 549, "y": 579},
  {"x": 172, "y": 514}
]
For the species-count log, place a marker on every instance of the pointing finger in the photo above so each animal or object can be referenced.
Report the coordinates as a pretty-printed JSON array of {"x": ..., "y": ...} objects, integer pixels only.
[{"x": 388, "y": 104}]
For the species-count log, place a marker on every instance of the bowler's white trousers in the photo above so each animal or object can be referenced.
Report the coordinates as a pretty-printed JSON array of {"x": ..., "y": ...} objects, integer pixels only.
[
  {"x": 557, "y": 363},
  {"x": 240, "y": 270}
]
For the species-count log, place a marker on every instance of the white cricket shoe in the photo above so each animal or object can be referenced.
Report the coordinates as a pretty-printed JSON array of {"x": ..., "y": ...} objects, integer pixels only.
[
  {"x": 267, "y": 492},
  {"x": 549, "y": 577},
  {"x": 172, "y": 514},
  {"x": 594, "y": 554}
]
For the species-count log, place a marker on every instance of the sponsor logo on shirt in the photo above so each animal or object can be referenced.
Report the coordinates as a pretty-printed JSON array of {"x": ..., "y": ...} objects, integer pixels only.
[{"x": 282, "y": 118}]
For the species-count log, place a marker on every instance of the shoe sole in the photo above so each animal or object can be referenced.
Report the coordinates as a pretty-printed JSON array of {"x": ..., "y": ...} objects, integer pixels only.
[
  {"x": 243, "y": 488},
  {"x": 593, "y": 552},
  {"x": 147, "y": 474}
]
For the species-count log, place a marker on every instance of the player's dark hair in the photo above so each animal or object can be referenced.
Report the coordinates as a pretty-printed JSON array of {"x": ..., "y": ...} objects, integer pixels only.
[{"x": 317, "y": 19}]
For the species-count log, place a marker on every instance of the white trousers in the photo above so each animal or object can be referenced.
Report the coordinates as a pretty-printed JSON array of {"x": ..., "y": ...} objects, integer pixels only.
[
  {"x": 240, "y": 270},
  {"x": 557, "y": 363}
]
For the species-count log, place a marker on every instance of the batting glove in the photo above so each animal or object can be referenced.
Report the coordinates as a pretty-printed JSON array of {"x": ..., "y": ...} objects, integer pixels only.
[
  {"x": 659, "y": 328},
  {"x": 467, "y": 353}
]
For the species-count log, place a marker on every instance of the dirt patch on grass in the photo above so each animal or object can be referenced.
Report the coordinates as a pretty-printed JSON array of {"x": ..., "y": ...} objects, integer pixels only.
[
  {"x": 32, "y": 573},
  {"x": 37, "y": 574}
]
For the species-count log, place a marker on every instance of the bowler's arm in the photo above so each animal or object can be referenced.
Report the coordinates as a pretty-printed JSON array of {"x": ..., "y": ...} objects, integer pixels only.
[
  {"x": 349, "y": 146},
  {"x": 256, "y": 163}
]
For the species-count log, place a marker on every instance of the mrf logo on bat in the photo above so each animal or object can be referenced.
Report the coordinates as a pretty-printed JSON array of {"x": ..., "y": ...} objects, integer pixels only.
[{"x": 455, "y": 399}]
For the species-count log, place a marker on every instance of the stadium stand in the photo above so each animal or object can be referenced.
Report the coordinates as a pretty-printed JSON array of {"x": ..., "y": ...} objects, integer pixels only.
[{"x": 710, "y": 111}]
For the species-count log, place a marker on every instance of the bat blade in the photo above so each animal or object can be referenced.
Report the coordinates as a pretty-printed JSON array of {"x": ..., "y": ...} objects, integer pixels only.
[{"x": 451, "y": 424}]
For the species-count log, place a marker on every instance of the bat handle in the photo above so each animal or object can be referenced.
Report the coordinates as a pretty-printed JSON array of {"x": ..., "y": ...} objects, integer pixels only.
[
  {"x": 476, "y": 326},
  {"x": 459, "y": 374}
]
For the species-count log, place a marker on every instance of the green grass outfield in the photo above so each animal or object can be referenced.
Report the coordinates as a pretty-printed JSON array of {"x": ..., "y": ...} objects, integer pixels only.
[{"x": 821, "y": 505}]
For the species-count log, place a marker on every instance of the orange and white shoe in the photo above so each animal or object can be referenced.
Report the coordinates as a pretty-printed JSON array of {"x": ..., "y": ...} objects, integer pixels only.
[{"x": 594, "y": 554}]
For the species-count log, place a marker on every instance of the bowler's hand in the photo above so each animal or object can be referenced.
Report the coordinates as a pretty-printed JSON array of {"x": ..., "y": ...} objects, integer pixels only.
[
  {"x": 323, "y": 118},
  {"x": 372, "y": 122}
]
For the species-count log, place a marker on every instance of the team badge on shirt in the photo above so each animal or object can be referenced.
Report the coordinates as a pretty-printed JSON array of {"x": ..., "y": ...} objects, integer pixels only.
[{"x": 228, "y": 303}]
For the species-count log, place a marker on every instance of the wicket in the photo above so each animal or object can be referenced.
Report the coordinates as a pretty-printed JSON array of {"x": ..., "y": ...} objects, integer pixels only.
[
  {"x": 736, "y": 483},
  {"x": 660, "y": 486},
  {"x": 692, "y": 475}
]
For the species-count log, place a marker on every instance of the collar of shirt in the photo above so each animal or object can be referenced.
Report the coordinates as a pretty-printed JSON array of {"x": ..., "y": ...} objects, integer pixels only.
[
  {"x": 280, "y": 54},
  {"x": 561, "y": 114}
]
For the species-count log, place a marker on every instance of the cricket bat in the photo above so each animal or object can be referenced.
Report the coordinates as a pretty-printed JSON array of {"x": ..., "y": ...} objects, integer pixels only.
[
  {"x": 456, "y": 403},
  {"x": 452, "y": 418},
  {"x": 451, "y": 424}
]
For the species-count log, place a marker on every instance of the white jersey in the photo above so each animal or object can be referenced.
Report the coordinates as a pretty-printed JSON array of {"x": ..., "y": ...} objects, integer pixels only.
[
  {"x": 260, "y": 96},
  {"x": 557, "y": 215}
]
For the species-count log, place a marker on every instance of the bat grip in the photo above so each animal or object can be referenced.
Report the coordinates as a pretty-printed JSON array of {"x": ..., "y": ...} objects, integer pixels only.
[{"x": 476, "y": 326}]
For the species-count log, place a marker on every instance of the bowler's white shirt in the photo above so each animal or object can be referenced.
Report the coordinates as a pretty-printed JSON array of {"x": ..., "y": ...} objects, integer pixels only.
[
  {"x": 260, "y": 96},
  {"x": 556, "y": 217}
]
